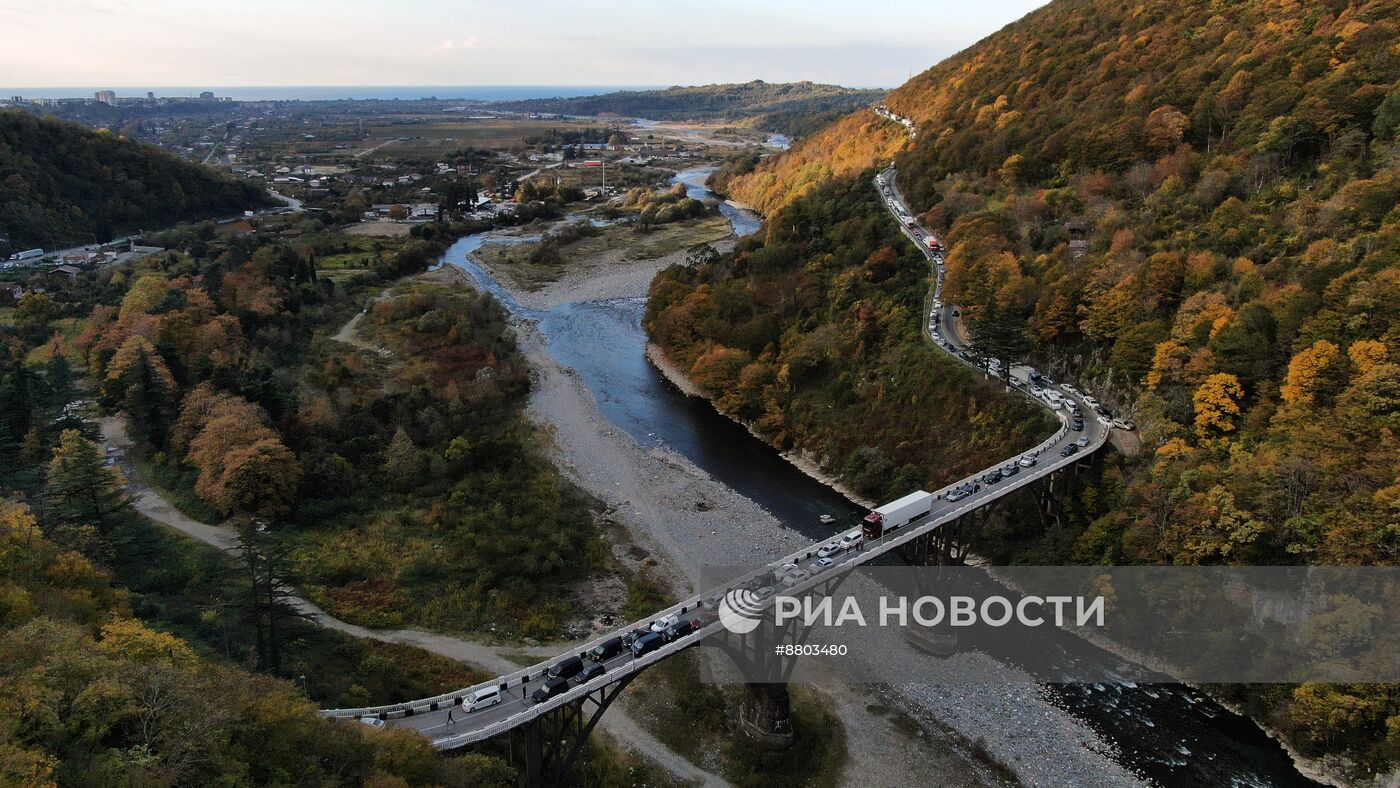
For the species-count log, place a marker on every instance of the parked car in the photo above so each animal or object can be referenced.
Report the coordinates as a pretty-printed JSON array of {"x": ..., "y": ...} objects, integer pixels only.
[
  {"x": 1068, "y": 450},
  {"x": 566, "y": 668},
  {"x": 483, "y": 698},
  {"x": 1008, "y": 470},
  {"x": 851, "y": 540},
  {"x": 647, "y": 643},
  {"x": 677, "y": 631},
  {"x": 592, "y": 671},
  {"x": 555, "y": 686},
  {"x": 712, "y": 601},
  {"x": 1027, "y": 461},
  {"x": 820, "y": 565},
  {"x": 703, "y": 618},
  {"x": 373, "y": 722},
  {"x": 1077, "y": 426},
  {"x": 829, "y": 549},
  {"x": 606, "y": 650},
  {"x": 763, "y": 593},
  {"x": 991, "y": 477},
  {"x": 1124, "y": 424},
  {"x": 795, "y": 576},
  {"x": 633, "y": 636}
]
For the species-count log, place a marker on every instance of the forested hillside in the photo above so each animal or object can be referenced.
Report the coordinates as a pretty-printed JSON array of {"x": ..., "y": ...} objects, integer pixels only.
[
  {"x": 1190, "y": 207},
  {"x": 62, "y": 184},
  {"x": 785, "y": 107}
]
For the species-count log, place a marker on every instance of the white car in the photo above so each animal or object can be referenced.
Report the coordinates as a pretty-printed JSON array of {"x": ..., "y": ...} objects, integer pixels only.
[
  {"x": 828, "y": 550},
  {"x": 1090, "y": 401},
  {"x": 1070, "y": 389},
  {"x": 373, "y": 722},
  {"x": 820, "y": 565},
  {"x": 1124, "y": 424},
  {"x": 851, "y": 540},
  {"x": 1082, "y": 442},
  {"x": 785, "y": 568},
  {"x": 795, "y": 576},
  {"x": 1027, "y": 461},
  {"x": 660, "y": 624}
]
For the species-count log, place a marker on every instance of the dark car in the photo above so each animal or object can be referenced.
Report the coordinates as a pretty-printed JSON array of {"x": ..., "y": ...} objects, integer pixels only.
[
  {"x": 704, "y": 618},
  {"x": 647, "y": 643},
  {"x": 1077, "y": 426},
  {"x": 1008, "y": 470},
  {"x": 606, "y": 650},
  {"x": 566, "y": 668},
  {"x": 591, "y": 671},
  {"x": 631, "y": 637},
  {"x": 551, "y": 688},
  {"x": 991, "y": 477},
  {"x": 678, "y": 630},
  {"x": 1068, "y": 450}
]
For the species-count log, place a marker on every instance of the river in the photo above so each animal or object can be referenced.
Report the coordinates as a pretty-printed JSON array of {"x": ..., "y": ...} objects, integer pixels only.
[{"x": 1168, "y": 733}]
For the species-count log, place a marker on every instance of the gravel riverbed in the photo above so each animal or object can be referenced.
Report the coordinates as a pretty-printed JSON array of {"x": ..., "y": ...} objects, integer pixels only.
[{"x": 695, "y": 524}]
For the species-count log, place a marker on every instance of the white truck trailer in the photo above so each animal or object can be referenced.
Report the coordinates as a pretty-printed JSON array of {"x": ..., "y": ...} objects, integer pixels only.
[{"x": 896, "y": 513}]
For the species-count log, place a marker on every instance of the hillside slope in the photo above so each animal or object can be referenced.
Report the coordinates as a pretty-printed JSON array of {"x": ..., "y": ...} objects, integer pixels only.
[
  {"x": 62, "y": 184},
  {"x": 787, "y": 107},
  {"x": 1190, "y": 209}
]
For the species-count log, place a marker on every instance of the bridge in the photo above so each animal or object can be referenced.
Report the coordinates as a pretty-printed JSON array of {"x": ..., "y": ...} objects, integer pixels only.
[{"x": 548, "y": 736}]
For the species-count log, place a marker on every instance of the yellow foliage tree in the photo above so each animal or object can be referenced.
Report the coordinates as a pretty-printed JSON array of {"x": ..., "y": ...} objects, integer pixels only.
[
  {"x": 1217, "y": 402},
  {"x": 128, "y": 638},
  {"x": 1168, "y": 362},
  {"x": 1306, "y": 370},
  {"x": 1367, "y": 354}
]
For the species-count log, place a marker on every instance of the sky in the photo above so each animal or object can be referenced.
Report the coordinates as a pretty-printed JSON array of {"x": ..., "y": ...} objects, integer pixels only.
[{"x": 865, "y": 43}]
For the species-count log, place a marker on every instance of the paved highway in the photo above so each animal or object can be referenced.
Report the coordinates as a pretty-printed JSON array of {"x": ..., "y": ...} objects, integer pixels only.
[{"x": 430, "y": 715}]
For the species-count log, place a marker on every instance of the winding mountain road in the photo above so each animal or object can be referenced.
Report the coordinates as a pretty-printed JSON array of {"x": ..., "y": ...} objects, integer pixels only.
[{"x": 516, "y": 707}]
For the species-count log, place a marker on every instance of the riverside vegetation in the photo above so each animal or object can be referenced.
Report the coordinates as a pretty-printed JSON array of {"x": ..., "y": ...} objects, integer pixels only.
[
  {"x": 133, "y": 655},
  {"x": 1190, "y": 209}
]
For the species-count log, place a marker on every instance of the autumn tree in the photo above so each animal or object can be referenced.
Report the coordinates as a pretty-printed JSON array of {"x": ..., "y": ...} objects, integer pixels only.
[
  {"x": 1310, "y": 373},
  {"x": 243, "y": 465},
  {"x": 1217, "y": 402}
]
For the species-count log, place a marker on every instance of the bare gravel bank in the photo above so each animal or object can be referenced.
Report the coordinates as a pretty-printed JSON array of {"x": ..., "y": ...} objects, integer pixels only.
[
  {"x": 600, "y": 277},
  {"x": 696, "y": 525}
]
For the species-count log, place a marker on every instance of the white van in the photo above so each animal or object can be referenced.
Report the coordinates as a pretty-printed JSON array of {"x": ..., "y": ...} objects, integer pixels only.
[
  {"x": 482, "y": 698},
  {"x": 1053, "y": 397}
]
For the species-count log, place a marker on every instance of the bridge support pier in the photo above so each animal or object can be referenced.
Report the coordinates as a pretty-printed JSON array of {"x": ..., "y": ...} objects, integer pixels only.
[
  {"x": 545, "y": 749},
  {"x": 765, "y": 715}
]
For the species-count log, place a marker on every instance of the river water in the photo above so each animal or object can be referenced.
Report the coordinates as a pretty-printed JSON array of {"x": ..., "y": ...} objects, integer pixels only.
[{"x": 1167, "y": 733}]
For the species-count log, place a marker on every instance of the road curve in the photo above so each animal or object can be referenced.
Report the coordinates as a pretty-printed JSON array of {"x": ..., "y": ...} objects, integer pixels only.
[{"x": 430, "y": 715}]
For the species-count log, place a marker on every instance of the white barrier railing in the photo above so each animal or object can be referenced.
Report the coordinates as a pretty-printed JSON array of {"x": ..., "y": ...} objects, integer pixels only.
[{"x": 887, "y": 542}]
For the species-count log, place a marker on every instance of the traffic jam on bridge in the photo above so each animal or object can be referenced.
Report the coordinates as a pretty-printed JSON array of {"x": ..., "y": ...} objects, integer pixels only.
[{"x": 483, "y": 711}]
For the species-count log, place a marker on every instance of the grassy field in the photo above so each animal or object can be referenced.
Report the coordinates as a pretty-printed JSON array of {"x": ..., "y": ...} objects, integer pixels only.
[
  {"x": 427, "y": 139},
  {"x": 617, "y": 242}
]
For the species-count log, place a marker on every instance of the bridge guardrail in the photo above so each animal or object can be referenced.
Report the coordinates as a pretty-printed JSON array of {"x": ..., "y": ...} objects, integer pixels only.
[{"x": 885, "y": 544}]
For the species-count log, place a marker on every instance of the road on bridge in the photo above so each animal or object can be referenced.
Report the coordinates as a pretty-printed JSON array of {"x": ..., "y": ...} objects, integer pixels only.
[{"x": 1065, "y": 447}]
